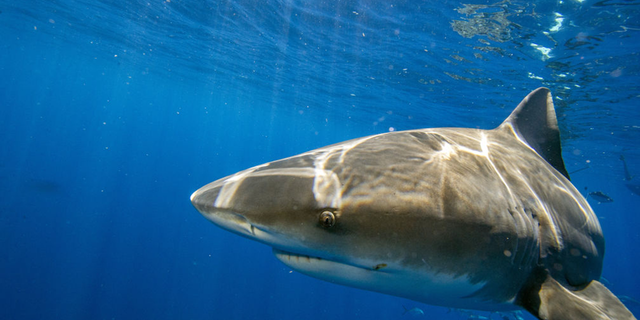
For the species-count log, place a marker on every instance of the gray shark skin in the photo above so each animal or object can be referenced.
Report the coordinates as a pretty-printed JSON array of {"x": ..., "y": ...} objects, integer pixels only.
[{"x": 457, "y": 217}]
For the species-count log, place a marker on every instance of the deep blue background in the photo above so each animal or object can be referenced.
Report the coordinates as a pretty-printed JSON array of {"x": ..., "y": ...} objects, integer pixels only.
[{"x": 113, "y": 113}]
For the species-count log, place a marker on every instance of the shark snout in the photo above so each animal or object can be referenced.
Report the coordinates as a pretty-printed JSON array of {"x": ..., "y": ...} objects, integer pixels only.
[
  {"x": 279, "y": 186},
  {"x": 268, "y": 199},
  {"x": 256, "y": 193},
  {"x": 204, "y": 198}
]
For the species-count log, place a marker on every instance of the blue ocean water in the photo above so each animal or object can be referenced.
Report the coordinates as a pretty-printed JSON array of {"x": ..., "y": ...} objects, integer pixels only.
[{"x": 114, "y": 112}]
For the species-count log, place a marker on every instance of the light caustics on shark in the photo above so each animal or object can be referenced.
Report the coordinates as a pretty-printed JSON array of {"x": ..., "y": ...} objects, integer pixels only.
[{"x": 467, "y": 218}]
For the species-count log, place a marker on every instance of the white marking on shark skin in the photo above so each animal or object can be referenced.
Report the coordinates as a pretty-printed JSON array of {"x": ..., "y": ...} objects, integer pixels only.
[
  {"x": 448, "y": 150},
  {"x": 549, "y": 221},
  {"x": 353, "y": 145},
  {"x": 588, "y": 219},
  {"x": 327, "y": 189},
  {"x": 322, "y": 155},
  {"x": 518, "y": 137},
  {"x": 545, "y": 215},
  {"x": 231, "y": 184},
  {"x": 485, "y": 151},
  {"x": 326, "y": 185}
]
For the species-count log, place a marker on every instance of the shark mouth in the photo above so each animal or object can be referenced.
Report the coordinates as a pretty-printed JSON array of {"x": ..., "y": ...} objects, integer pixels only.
[
  {"x": 303, "y": 262},
  {"x": 288, "y": 256}
]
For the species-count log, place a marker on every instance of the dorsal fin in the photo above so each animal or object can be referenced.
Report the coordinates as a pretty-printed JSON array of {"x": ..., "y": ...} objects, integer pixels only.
[{"x": 534, "y": 122}]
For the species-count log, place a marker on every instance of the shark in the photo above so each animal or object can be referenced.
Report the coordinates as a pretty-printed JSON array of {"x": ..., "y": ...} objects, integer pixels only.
[
  {"x": 456, "y": 217},
  {"x": 634, "y": 188}
]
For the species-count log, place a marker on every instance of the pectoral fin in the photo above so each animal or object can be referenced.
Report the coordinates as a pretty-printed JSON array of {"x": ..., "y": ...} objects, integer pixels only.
[{"x": 551, "y": 301}]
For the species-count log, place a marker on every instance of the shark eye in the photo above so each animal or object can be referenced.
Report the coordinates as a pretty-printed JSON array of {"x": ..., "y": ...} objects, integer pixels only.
[{"x": 327, "y": 219}]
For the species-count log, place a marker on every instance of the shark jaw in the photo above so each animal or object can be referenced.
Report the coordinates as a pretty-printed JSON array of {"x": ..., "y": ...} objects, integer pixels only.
[
  {"x": 325, "y": 268},
  {"x": 393, "y": 279},
  {"x": 333, "y": 271}
]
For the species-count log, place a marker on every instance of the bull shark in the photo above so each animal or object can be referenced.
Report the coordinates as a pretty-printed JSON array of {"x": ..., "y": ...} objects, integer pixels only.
[{"x": 456, "y": 217}]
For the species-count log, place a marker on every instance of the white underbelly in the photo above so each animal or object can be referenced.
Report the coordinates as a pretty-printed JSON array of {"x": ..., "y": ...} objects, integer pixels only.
[{"x": 430, "y": 288}]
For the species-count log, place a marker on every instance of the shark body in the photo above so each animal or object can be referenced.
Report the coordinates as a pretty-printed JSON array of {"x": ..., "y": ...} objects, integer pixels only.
[{"x": 458, "y": 217}]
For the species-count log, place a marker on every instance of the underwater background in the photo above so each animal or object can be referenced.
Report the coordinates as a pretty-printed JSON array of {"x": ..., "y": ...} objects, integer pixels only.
[{"x": 113, "y": 112}]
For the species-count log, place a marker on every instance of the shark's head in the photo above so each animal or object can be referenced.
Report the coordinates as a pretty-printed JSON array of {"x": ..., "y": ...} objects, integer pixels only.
[
  {"x": 319, "y": 214},
  {"x": 283, "y": 204},
  {"x": 289, "y": 205}
]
